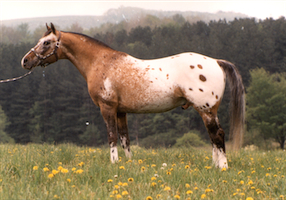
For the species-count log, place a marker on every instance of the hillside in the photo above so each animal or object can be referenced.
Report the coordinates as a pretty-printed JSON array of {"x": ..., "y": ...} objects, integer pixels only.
[{"x": 115, "y": 16}]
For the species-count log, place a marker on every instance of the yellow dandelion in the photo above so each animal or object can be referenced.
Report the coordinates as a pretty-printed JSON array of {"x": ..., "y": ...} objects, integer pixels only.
[
  {"x": 153, "y": 184},
  {"x": 140, "y": 161},
  {"x": 79, "y": 171},
  {"x": 208, "y": 167},
  {"x": 203, "y": 196},
  {"x": 35, "y": 168},
  {"x": 187, "y": 185},
  {"x": 168, "y": 173},
  {"x": 252, "y": 173},
  {"x": 249, "y": 198},
  {"x": 45, "y": 169},
  {"x": 149, "y": 198},
  {"x": 167, "y": 188},
  {"x": 120, "y": 183},
  {"x": 250, "y": 182},
  {"x": 115, "y": 192},
  {"x": 143, "y": 169},
  {"x": 223, "y": 169},
  {"x": 73, "y": 186},
  {"x": 55, "y": 171},
  {"x": 60, "y": 163},
  {"x": 80, "y": 164},
  {"x": 109, "y": 181},
  {"x": 116, "y": 186},
  {"x": 122, "y": 167},
  {"x": 207, "y": 158},
  {"x": 267, "y": 174},
  {"x": 241, "y": 182},
  {"x": 196, "y": 188},
  {"x": 253, "y": 188},
  {"x": 51, "y": 175},
  {"x": 224, "y": 181},
  {"x": 60, "y": 168},
  {"x": 68, "y": 180},
  {"x": 281, "y": 196},
  {"x": 125, "y": 184},
  {"x": 177, "y": 196},
  {"x": 73, "y": 169},
  {"x": 56, "y": 196},
  {"x": 64, "y": 171},
  {"x": 158, "y": 196},
  {"x": 118, "y": 196},
  {"x": 130, "y": 180},
  {"x": 153, "y": 178},
  {"x": 187, "y": 167},
  {"x": 124, "y": 193},
  {"x": 153, "y": 165},
  {"x": 189, "y": 192}
]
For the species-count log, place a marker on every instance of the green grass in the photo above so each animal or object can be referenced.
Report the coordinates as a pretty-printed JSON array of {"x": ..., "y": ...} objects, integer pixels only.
[{"x": 86, "y": 173}]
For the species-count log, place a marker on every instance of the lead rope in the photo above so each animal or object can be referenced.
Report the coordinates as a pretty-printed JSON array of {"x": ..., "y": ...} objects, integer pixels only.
[{"x": 17, "y": 78}]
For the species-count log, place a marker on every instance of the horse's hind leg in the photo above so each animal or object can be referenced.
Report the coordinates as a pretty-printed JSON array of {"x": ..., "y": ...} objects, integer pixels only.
[
  {"x": 217, "y": 138},
  {"x": 123, "y": 133}
]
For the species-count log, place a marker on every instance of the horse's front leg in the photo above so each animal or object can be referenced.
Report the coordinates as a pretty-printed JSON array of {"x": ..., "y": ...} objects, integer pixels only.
[
  {"x": 109, "y": 115},
  {"x": 123, "y": 133}
]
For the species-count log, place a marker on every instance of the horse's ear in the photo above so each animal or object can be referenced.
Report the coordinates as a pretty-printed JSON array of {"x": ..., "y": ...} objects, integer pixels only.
[
  {"x": 48, "y": 28},
  {"x": 53, "y": 28}
]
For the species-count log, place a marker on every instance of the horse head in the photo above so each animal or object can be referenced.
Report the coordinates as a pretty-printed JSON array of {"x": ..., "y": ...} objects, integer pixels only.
[{"x": 45, "y": 52}]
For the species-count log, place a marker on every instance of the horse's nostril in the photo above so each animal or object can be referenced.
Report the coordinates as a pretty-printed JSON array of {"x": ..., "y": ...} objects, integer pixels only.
[{"x": 25, "y": 60}]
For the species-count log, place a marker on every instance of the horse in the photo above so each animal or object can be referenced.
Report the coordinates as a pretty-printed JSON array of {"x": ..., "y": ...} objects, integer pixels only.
[{"x": 119, "y": 83}]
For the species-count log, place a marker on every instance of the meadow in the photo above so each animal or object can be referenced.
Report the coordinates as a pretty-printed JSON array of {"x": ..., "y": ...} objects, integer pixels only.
[{"x": 67, "y": 171}]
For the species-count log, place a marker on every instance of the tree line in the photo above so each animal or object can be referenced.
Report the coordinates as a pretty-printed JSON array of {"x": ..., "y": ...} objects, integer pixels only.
[{"x": 52, "y": 105}]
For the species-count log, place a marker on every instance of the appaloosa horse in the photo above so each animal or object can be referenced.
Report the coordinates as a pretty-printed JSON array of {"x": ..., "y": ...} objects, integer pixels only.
[{"x": 119, "y": 83}]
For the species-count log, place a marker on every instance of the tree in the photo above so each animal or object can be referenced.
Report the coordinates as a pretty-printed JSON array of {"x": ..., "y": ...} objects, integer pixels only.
[
  {"x": 4, "y": 138},
  {"x": 266, "y": 109}
]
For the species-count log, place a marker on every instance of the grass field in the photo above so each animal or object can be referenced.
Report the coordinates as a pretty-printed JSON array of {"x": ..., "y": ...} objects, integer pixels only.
[{"x": 70, "y": 172}]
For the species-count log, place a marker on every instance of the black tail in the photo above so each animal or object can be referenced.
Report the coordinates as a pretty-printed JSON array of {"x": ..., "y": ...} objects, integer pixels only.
[{"x": 237, "y": 102}]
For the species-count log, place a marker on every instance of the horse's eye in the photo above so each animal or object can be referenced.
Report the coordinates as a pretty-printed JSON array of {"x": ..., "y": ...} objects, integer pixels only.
[{"x": 47, "y": 43}]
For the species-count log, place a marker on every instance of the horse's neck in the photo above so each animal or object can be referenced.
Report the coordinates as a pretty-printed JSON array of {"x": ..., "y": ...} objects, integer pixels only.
[{"x": 83, "y": 54}]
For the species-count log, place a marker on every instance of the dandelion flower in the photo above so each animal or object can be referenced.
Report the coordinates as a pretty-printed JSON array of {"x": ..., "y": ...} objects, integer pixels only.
[
  {"x": 177, "y": 196},
  {"x": 124, "y": 193},
  {"x": 153, "y": 165},
  {"x": 51, "y": 175},
  {"x": 116, "y": 186},
  {"x": 189, "y": 192},
  {"x": 267, "y": 174},
  {"x": 60, "y": 163},
  {"x": 153, "y": 178},
  {"x": 223, "y": 169},
  {"x": 168, "y": 173},
  {"x": 118, "y": 196},
  {"x": 196, "y": 188},
  {"x": 45, "y": 169},
  {"x": 109, "y": 181},
  {"x": 64, "y": 171},
  {"x": 187, "y": 185},
  {"x": 122, "y": 167},
  {"x": 241, "y": 182},
  {"x": 249, "y": 198},
  {"x": 158, "y": 196},
  {"x": 167, "y": 188},
  {"x": 140, "y": 161},
  {"x": 130, "y": 180},
  {"x": 114, "y": 192},
  {"x": 187, "y": 166},
  {"x": 125, "y": 184},
  {"x": 68, "y": 180},
  {"x": 149, "y": 198},
  {"x": 79, "y": 171},
  {"x": 35, "y": 168},
  {"x": 153, "y": 184},
  {"x": 80, "y": 164},
  {"x": 55, "y": 171},
  {"x": 143, "y": 169},
  {"x": 60, "y": 168},
  {"x": 73, "y": 169},
  {"x": 203, "y": 196},
  {"x": 224, "y": 181}
]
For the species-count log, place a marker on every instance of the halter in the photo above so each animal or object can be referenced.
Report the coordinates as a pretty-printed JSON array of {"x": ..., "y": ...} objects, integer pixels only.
[{"x": 54, "y": 52}]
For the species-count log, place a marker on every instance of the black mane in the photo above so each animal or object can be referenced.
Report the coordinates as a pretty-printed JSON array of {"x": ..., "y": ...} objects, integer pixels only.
[{"x": 93, "y": 40}]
